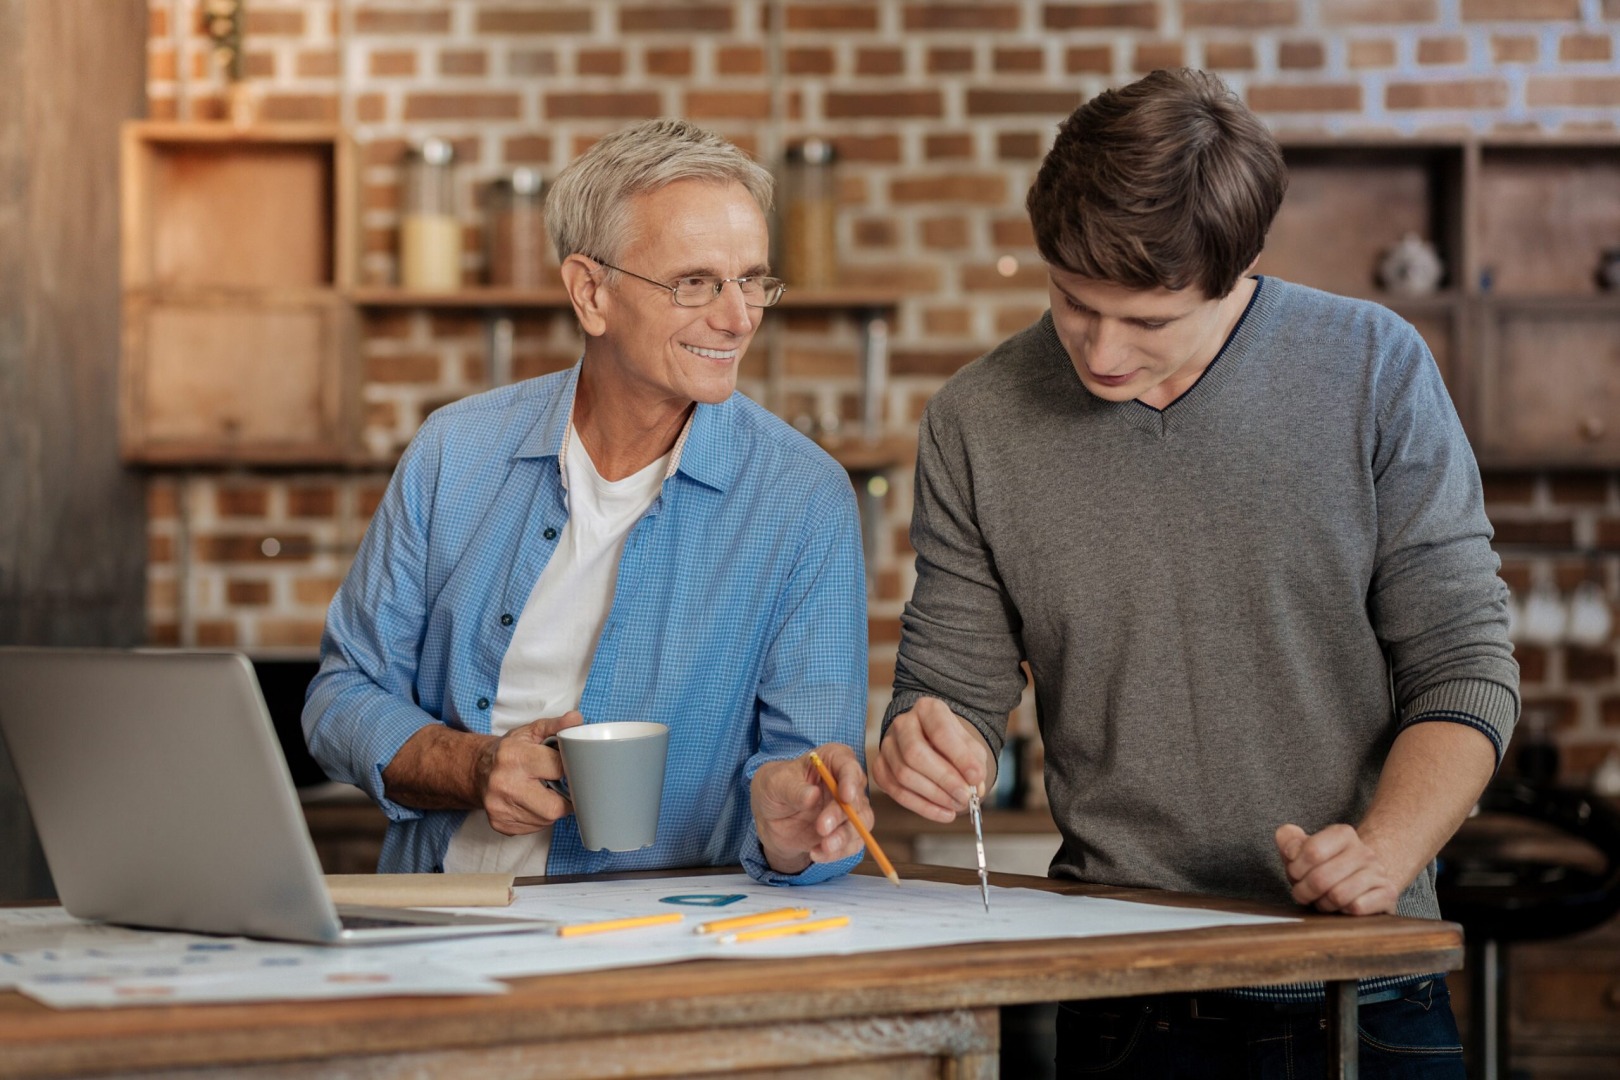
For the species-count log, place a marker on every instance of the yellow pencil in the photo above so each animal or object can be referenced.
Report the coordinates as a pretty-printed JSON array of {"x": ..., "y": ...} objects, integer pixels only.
[
  {"x": 576, "y": 929},
  {"x": 739, "y": 922},
  {"x": 783, "y": 931},
  {"x": 866, "y": 835}
]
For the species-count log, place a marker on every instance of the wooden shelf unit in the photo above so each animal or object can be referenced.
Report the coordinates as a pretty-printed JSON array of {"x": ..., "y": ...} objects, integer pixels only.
[
  {"x": 238, "y": 247},
  {"x": 1526, "y": 339}
]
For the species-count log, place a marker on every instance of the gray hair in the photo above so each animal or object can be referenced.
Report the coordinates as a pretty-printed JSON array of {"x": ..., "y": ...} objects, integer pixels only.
[{"x": 588, "y": 207}]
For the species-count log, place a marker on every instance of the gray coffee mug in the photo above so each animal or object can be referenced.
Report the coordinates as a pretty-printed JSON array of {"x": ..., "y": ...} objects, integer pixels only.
[{"x": 615, "y": 777}]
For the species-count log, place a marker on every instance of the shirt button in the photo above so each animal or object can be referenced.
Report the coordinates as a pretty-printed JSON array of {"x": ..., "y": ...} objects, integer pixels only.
[
  {"x": 506, "y": 620},
  {"x": 483, "y": 703},
  {"x": 550, "y": 533}
]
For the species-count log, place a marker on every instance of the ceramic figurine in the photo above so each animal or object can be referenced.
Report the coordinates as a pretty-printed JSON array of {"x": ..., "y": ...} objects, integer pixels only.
[{"x": 1411, "y": 267}]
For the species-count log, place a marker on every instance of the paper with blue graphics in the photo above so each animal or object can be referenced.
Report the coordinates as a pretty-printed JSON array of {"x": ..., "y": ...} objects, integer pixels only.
[{"x": 49, "y": 956}]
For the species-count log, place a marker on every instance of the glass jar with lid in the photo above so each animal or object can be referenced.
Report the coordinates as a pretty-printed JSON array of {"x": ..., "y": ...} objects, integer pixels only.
[
  {"x": 429, "y": 231},
  {"x": 809, "y": 242},
  {"x": 515, "y": 244}
]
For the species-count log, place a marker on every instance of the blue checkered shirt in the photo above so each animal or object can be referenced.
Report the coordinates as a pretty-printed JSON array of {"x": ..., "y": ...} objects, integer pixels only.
[{"x": 738, "y": 618}]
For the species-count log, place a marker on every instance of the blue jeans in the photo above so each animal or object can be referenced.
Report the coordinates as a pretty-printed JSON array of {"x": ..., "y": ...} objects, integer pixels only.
[{"x": 1413, "y": 1037}]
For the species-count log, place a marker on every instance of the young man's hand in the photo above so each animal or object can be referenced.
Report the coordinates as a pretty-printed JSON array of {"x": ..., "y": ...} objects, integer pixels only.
[{"x": 931, "y": 759}]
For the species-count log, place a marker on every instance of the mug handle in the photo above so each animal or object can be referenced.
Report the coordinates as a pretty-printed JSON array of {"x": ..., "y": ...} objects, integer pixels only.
[{"x": 559, "y": 786}]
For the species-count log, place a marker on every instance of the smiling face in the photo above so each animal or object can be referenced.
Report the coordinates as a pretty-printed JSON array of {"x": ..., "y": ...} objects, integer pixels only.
[
  {"x": 656, "y": 353},
  {"x": 1149, "y": 345}
]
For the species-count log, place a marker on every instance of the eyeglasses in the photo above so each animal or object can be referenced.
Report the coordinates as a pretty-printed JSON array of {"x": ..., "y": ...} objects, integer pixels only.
[{"x": 700, "y": 290}]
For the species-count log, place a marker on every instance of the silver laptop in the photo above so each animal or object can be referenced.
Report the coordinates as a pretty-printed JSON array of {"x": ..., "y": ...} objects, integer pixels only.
[{"x": 162, "y": 799}]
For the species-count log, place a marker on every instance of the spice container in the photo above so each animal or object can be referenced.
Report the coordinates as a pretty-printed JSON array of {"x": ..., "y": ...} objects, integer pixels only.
[
  {"x": 809, "y": 234},
  {"x": 429, "y": 233},
  {"x": 515, "y": 244}
]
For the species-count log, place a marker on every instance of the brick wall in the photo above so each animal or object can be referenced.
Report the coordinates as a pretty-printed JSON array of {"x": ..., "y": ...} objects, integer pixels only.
[{"x": 941, "y": 112}]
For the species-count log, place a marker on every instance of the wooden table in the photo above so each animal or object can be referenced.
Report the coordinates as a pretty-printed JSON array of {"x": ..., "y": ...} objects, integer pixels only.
[{"x": 910, "y": 1013}]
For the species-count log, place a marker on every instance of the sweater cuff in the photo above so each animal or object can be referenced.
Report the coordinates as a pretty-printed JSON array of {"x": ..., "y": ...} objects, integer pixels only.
[
  {"x": 1488, "y": 707},
  {"x": 905, "y": 699}
]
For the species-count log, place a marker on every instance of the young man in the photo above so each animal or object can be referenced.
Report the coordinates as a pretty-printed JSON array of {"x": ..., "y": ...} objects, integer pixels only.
[
  {"x": 627, "y": 540},
  {"x": 1235, "y": 529}
]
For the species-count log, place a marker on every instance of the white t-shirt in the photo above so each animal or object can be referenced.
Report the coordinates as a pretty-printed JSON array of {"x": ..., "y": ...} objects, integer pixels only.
[{"x": 545, "y": 668}]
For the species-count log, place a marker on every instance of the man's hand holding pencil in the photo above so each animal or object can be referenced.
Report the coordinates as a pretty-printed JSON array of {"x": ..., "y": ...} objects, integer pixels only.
[{"x": 800, "y": 820}]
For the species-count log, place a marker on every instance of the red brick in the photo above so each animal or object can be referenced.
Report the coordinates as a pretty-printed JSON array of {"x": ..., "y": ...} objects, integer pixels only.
[
  {"x": 953, "y": 146},
  {"x": 160, "y": 65},
  {"x": 959, "y": 16},
  {"x": 1611, "y": 712},
  {"x": 299, "y": 108},
  {"x": 240, "y": 502},
  {"x": 369, "y": 497},
  {"x": 950, "y": 61},
  {"x": 1370, "y": 53},
  {"x": 943, "y": 232},
  {"x": 991, "y": 279},
  {"x": 157, "y": 25},
  {"x": 878, "y": 149},
  {"x": 1461, "y": 94},
  {"x": 1354, "y": 13},
  {"x": 947, "y": 322},
  {"x": 312, "y": 502},
  {"x": 628, "y": 105},
  {"x": 1521, "y": 10},
  {"x": 809, "y": 61},
  {"x": 1532, "y": 663},
  {"x": 315, "y": 591},
  {"x": 880, "y": 62},
  {"x": 1589, "y": 665},
  {"x": 1581, "y": 48},
  {"x": 371, "y": 108},
  {"x": 1021, "y": 102},
  {"x": 735, "y": 60},
  {"x": 943, "y": 362},
  {"x": 1138, "y": 16},
  {"x": 831, "y": 17},
  {"x": 896, "y": 103},
  {"x": 463, "y": 62},
  {"x": 1153, "y": 55},
  {"x": 1444, "y": 50},
  {"x": 162, "y": 501},
  {"x": 990, "y": 190},
  {"x": 251, "y": 548},
  {"x": 159, "y": 549},
  {"x": 1255, "y": 13},
  {"x": 1229, "y": 55},
  {"x": 728, "y": 105},
  {"x": 531, "y": 62},
  {"x": 1508, "y": 487},
  {"x": 384, "y": 63},
  {"x": 676, "y": 18},
  {"x": 1608, "y": 534},
  {"x": 874, "y": 233},
  {"x": 213, "y": 633},
  {"x": 1556, "y": 534},
  {"x": 526, "y": 20},
  {"x": 599, "y": 62},
  {"x": 1011, "y": 320},
  {"x": 1514, "y": 50},
  {"x": 526, "y": 149},
  {"x": 289, "y": 632},
  {"x": 419, "y": 368},
  {"x": 1300, "y": 55},
  {"x": 247, "y": 593},
  {"x": 1012, "y": 232},
  {"x": 468, "y": 106},
  {"x": 1020, "y": 61},
  {"x": 1093, "y": 59},
  {"x": 1020, "y": 146},
  {"x": 1585, "y": 488},
  {"x": 259, "y": 65},
  {"x": 319, "y": 64},
  {"x": 1305, "y": 97},
  {"x": 273, "y": 22},
  {"x": 1585, "y": 93},
  {"x": 379, "y": 19},
  {"x": 902, "y": 277}
]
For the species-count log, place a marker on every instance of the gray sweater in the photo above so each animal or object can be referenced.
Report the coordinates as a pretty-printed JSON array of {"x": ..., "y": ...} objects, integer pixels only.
[{"x": 1230, "y": 607}]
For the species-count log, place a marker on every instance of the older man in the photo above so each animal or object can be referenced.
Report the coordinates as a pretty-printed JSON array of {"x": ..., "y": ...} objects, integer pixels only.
[{"x": 629, "y": 539}]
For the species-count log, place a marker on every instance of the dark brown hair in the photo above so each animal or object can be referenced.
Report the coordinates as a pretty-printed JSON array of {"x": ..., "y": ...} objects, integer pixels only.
[{"x": 1169, "y": 182}]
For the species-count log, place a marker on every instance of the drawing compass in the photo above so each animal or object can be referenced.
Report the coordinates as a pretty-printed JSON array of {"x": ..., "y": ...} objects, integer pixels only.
[{"x": 978, "y": 846}]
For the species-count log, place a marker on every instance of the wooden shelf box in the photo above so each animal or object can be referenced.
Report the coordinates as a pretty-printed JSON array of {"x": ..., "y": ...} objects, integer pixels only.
[{"x": 239, "y": 248}]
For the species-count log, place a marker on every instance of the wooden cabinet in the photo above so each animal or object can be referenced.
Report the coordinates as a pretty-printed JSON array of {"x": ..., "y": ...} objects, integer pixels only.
[
  {"x": 238, "y": 249},
  {"x": 1523, "y": 329}
]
